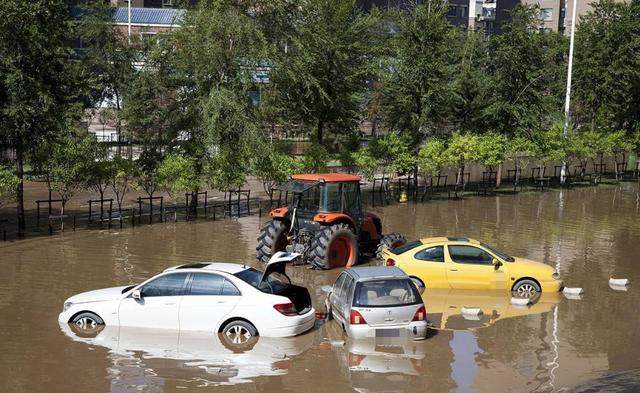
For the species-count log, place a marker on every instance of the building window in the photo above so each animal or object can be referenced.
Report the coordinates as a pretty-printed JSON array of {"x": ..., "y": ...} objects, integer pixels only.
[
  {"x": 453, "y": 11},
  {"x": 546, "y": 14},
  {"x": 464, "y": 11},
  {"x": 167, "y": 3}
]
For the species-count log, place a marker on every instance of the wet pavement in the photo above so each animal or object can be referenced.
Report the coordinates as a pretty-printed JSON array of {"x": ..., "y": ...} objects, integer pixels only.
[{"x": 583, "y": 345}]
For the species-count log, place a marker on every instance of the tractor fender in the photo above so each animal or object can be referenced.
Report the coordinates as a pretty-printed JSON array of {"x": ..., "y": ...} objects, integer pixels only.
[
  {"x": 334, "y": 218},
  {"x": 280, "y": 212},
  {"x": 372, "y": 225}
]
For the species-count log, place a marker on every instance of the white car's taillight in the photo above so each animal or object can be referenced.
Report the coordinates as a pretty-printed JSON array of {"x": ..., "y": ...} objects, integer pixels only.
[
  {"x": 355, "y": 318},
  {"x": 287, "y": 309},
  {"x": 420, "y": 315}
]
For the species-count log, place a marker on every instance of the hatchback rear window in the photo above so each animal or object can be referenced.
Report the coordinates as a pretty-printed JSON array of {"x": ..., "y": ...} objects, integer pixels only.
[
  {"x": 386, "y": 293},
  {"x": 406, "y": 247}
]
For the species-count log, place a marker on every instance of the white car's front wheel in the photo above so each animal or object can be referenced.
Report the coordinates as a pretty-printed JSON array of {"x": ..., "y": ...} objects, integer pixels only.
[
  {"x": 239, "y": 334},
  {"x": 87, "y": 323}
]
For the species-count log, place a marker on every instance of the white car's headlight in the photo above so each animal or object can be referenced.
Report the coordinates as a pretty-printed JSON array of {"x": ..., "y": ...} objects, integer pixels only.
[
  {"x": 66, "y": 306},
  {"x": 555, "y": 276}
]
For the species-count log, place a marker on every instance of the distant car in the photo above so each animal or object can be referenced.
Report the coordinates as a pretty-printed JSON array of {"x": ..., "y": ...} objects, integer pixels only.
[
  {"x": 377, "y": 302},
  {"x": 236, "y": 300},
  {"x": 462, "y": 263}
]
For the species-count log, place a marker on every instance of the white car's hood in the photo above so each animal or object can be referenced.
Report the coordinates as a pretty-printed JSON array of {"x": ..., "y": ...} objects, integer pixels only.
[{"x": 98, "y": 295}]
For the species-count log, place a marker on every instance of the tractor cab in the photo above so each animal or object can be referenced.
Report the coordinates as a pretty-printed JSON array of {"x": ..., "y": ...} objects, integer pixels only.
[
  {"x": 312, "y": 195},
  {"x": 323, "y": 220}
]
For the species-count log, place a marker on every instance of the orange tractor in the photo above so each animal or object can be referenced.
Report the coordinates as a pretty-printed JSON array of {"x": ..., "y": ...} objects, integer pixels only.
[{"x": 324, "y": 221}]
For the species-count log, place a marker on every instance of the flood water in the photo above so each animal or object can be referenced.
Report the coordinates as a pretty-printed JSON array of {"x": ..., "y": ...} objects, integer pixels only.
[{"x": 558, "y": 344}]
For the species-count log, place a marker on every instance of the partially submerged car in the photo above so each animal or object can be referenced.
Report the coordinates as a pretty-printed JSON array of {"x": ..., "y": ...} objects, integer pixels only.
[
  {"x": 377, "y": 302},
  {"x": 236, "y": 300},
  {"x": 463, "y": 263}
]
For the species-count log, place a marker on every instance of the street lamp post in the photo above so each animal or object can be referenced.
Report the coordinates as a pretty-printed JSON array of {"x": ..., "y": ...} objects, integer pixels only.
[
  {"x": 129, "y": 20},
  {"x": 565, "y": 130}
]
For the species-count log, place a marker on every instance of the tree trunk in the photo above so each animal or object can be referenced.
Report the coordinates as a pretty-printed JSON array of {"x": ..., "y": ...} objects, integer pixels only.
[
  {"x": 499, "y": 176},
  {"x": 320, "y": 131},
  {"x": 20, "y": 191},
  {"x": 193, "y": 203}
]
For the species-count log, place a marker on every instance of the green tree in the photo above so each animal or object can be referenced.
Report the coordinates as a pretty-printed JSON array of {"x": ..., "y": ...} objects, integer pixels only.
[
  {"x": 36, "y": 78},
  {"x": 520, "y": 149},
  {"x": 320, "y": 74},
  {"x": 527, "y": 70},
  {"x": 178, "y": 175},
  {"x": 96, "y": 170},
  {"x": 460, "y": 150},
  {"x": 432, "y": 157},
  {"x": 397, "y": 153},
  {"x": 606, "y": 71},
  {"x": 366, "y": 162},
  {"x": 122, "y": 177},
  {"x": 272, "y": 166},
  {"x": 315, "y": 159},
  {"x": 490, "y": 150},
  {"x": 8, "y": 184},
  {"x": 418, "y": 87}
]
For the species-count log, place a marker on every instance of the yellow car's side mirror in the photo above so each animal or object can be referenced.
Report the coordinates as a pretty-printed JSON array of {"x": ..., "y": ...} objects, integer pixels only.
[{"x": 496, "y": 262}]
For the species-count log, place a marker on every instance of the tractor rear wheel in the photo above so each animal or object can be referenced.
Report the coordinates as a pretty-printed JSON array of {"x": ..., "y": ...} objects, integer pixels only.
[
  {"x": 391, "y": 240},
  {"x": 334, "y": 246},
  {"x": 272, "y": 238}
]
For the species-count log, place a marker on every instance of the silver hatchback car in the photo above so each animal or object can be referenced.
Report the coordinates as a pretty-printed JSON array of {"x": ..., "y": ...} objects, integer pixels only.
[{"x": 377, "y": 302}]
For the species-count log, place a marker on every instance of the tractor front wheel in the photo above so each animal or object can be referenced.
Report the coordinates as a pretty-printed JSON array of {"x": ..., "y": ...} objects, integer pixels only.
[
  {"x": 334, "y": 246},
  {"x": 389, "y": 241},
  {"x": 272, "y": 238}
]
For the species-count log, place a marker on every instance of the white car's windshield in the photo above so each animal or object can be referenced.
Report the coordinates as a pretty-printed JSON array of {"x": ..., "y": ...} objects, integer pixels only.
[
  {"x": 252, "y": 277},
  {"x": 388, "y": 293}
]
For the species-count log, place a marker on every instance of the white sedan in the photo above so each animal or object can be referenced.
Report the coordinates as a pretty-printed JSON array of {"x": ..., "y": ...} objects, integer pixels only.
[{"x": 233, "y": 299}]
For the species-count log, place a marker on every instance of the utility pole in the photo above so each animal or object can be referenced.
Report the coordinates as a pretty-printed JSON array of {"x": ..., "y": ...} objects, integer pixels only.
[
  {"x": 129, "y": 20},
  {"x": 565, "y": 130}
]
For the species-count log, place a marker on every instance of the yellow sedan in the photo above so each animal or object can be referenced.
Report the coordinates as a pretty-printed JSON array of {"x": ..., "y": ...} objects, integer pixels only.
[{"x": 461, "y": 263}]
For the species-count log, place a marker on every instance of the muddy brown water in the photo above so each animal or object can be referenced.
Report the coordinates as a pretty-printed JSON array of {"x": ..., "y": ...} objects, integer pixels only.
[{"x": 557, "y": 344}]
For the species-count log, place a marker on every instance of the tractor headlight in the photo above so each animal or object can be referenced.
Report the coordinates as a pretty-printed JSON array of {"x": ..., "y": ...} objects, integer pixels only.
[
  {"x": 66, "y": 306},
  {"x": 555, "y": 276}
]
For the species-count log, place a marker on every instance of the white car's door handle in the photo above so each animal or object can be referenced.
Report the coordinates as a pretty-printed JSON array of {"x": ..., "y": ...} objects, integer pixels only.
[
  {"x": 453, "y": 270},
  {"x": 169, "y": 304},
  {"x": 221, "y": 302}
]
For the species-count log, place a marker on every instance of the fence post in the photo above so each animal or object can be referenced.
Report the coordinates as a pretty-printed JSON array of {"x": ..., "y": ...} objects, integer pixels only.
[
  {"x": 74, "y": 222},
  {"x": 162, "y": 216},
  {"x": 133, "y": 218},
  {"x": 139, "y": 210}
]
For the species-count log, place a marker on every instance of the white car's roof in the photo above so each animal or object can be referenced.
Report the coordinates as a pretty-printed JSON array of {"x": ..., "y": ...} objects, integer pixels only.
[{"x": 231, "y": 268}]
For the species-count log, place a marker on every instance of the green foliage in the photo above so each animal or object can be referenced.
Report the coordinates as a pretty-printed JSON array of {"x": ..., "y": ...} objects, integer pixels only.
[
  {"x": 315, "y": 159},
  {"x": 224, "y": 173},
  {"x": 397, "y": 153},
  {"x": 96, "y": 170},
  {"x": 177, "y": 175},
  {"x": 432, "y": 157},
  {"x": 527, "y": 71},
  {"x": 490, "y": 149},
  {"x": 460, "y": 149},
  {"x": 271, "y": 166},
  {"x": 366, "y": 162},
  {"x": 319, "y": 77},
  {"x": 520, "y": 149},
  {"x": 66, "y": 165},
  {"x": 8, "y": 184},
  {"x": 123, "y": 173},
  {"x": 606, "y": 71},
  {"x": 418, "y": 87}
]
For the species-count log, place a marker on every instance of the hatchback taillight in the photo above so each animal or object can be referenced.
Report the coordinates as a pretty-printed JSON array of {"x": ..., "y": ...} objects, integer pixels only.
[
  {"x": 287, "y": 309},
  {"x": 390, "y": 262},
  {"x": 420, "y": 315},
  {"x": 355, "y": 318}
]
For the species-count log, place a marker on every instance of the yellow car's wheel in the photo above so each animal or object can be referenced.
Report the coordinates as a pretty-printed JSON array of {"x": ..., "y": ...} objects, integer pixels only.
[{"x": 526, "y": 288}]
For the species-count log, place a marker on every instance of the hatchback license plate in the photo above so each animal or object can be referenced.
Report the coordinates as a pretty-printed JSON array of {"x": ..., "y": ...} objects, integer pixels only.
[{"x": 387, "y": 332}]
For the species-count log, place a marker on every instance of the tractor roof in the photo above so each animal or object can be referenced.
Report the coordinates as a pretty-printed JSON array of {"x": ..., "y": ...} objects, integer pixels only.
[{"x": 327, "y": 177}]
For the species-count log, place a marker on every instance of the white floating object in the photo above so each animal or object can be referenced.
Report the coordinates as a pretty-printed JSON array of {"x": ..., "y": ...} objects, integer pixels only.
[
  {"x": 471, "y": 310},
  {"x": 621, "y": 282},
  {"x": 520, "y": 301},
  {"x": 471, "y": 317},
  {"x": 572, "y": 291},
  {"x": 620, "y": 288},
  {"x": 572, "y": 296}
]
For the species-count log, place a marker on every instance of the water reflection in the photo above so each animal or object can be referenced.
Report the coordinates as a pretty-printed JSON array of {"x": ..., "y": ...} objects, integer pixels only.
[
  {"x": 147, "y": 358},
  {"x": 444, "y": 307}
]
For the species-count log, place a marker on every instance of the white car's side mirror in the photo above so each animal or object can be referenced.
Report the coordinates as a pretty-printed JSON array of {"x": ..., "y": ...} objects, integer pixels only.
[{"x": 136, "y": 294}]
